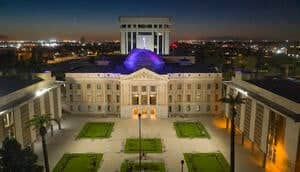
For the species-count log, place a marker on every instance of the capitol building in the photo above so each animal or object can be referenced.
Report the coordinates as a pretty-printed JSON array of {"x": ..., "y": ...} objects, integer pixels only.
[{"x": 145, "y": 83}]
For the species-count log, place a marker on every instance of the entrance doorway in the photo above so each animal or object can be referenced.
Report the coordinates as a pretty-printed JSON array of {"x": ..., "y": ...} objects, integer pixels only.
[{"x": 144, "y": 113}]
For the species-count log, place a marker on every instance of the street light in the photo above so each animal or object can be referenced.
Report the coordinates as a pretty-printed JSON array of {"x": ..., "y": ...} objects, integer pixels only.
[
  {"x": 140, "y": 144},
  {"x": 182, "y": 162}
]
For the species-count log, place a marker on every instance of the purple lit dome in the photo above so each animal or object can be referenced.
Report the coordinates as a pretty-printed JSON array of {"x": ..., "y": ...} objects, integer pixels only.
[{"x": 142, "y": 58}]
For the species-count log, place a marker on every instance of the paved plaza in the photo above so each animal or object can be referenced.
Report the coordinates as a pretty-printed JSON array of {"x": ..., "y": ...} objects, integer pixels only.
[{"x": 64, "y": 141}]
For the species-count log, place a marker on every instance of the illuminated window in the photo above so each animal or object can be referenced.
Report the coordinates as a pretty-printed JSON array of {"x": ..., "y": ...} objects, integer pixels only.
[
  {"x": 135, "y": 99},
  {"x": 152, "y": 99}
]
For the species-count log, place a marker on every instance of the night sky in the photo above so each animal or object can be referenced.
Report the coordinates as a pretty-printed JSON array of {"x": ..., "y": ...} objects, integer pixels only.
[{"x": 192, "y": 19}]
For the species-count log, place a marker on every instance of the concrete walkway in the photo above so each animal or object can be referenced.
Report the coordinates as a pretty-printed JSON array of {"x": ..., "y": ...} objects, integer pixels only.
[{"x": 64, "y": 141}]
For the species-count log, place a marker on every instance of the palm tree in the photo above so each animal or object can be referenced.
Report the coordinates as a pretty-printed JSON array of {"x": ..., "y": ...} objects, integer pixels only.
[
  {"x": 233, "y": 101},
  {"x": 40, "y": 122}
]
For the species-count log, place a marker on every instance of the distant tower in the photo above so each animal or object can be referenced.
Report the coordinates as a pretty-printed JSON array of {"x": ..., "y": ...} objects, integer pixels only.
[{"x": 152, "y": 33}]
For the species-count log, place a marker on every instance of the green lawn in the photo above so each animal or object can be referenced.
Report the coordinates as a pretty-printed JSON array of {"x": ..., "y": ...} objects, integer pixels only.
[
  {"x": 190, "y": 129},
  {"x": 83, "y": 162},
  {"x": 148, "y": 145},
  {"x": 206, "y": 162},
  {"x": 147, "y": 166},
  {"x": 96, "y": 130}
]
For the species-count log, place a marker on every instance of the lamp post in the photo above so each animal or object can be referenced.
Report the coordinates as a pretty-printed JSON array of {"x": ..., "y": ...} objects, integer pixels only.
[
  {"x": 182, "y": 162},
  {"x": 140, "y": 144}
]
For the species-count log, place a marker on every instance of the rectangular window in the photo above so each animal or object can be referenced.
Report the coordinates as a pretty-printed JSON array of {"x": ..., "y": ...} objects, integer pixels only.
[
  {"x": 108, "y": 108},
  {"x": 216, "y": 108},
  {"x": 78, "y": 86},
  {"x": 117, "y": 87},
  {"x": 208, "y": 86},
  {"x": 89, "y": 108},
  {"x": 188, "y": 98},
  {"x": 189, "y": 86},
  {"x": 179, "y": 98},
  {"x": 198, "y": 86},
  {"x": 99, "y": 108},
  {"x": 134, "y": 88},
  {"x": 71, "y": 86},
  {"x": 98, "y": 86},
  {"x": 207, "y": 108},
  {"x": 216, "y": 97},
  {"x": 179, "y": 86},
  {"x": 135, "y": 99},
  {"x": 152, "y": 88},
  {"x": 170, "y": 87},
  {"x": 208, "y": 98},
  {"x": 170, "y": 108},
  {"x": 71, "y": 98},
  {"x": 118, "y": 99},
  {"x": 144, "y": 88},
  {"x": 108, "y": 97},
  {"x": 217, "y": 86},
  {"x": 79, "y": 108},
  {"x": 152, "y": 99},
  {"x": 155, "y": 42},
  {"x": 198, "y": 97},
  {"x": 170, "y": 98},
  {"x": 108, "y": 86},
  {"x": 88, "y": 86}
]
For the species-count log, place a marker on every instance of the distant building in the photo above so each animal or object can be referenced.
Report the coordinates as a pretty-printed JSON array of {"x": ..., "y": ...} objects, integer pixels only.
[
  {"x": 269, "y": 120},
  {"x": 21, "y": 99},
  {"x": 152, "y": 33}
]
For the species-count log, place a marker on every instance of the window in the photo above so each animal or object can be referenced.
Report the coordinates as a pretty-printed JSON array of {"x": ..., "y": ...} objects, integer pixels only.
[
  {"x": 98, "y": 86},
  {"x": 216, "y": 108},
  {"x": 108, "y": 98},
  {"x": 108, "y": 86},
  {"x": 78, "y": 86},
  {"x": 188, "y": 108},
  {"x": 135, "y": 99},
  {"x": 198, "y": 108},
  {"x": 8, "y": 119},
  {"x": 179, "y": 98},
  {"x": 160, "y": 26},
  {"x": 134, "y": 26},
  {"x": 123, "y": 26},
  {"x": 198, "y": 97},
  {"x": 89, "y": 108},
  {"x": 88, "y": 86},
  {"x": 152, "y": 88},
  {"x": 189, "y": 86},
  {"x": 99, "y": 108},
  {"x": 179, "y": 86},
  {"x": 170, "y": 108},
  {"x": 71, "y": 108},
  {"x": 71, "y": 98},
  {"x": 188, "y": 98},
  {"x": 152, "y": 99},
  {"x": 216, "y": 97},
  {"x": 208, "y": 86},
  {"x": 208, "y": 98},
  {"x": 129, "y": 26},
  {"x": 134, "y": 88},
  {"x": 118, "y": 108},
  {"x": 198, "y": 86},
  {"x": 217, "y": 86},
  {"x": 207, "y": 108},
  {"x": 170, "y": 87},
  {"x": 144, "y": 88},
  {"x": 179, "y": 108},
  {"x": 117, "y": 87},
  {"x": 108, "y": 108},
  {"x": 89, "y": 98},
  {"x": 79, "y": 108},
  {"x": 118, "y": 99},
  {"x": 71, "y": 86},
  {"x": 170, "y": 98}
]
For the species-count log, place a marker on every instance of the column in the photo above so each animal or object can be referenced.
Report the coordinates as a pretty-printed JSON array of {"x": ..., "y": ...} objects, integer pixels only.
[
  {"x": 18, "y": 125},
  {"x": 42, "y": 104},
  {"x": 33, "y": 132},
  {"x": 167, "y": 38},
  {"x": 123, "y": 42},
  {"x": 59, "y": 102},
  {"x": 51, "y": 103},
  {"x": 264, "y": 133}
]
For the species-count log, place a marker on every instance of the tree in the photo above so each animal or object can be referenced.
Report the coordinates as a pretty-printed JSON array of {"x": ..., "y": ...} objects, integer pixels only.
[
  {"x": 233, "y": 101},
  {"x": 14, "y": 158},
  {"x": 41, "y": 122}
]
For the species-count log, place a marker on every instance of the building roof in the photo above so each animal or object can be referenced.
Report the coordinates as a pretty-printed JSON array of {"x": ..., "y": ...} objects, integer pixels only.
[
  {"x": 288, "y": 88},
  {"x": 135, "y": 61},
  {"x": 9, "y": 84}
]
